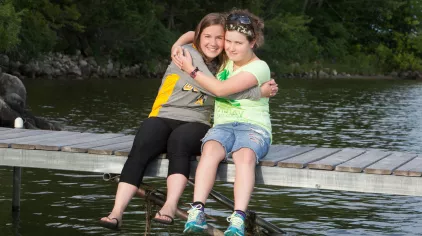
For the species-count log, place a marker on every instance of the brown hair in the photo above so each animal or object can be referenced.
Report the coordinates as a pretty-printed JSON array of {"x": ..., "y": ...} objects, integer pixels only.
[
  {"x": 257, "y": 26},
  {"x": 210, "y": 20}
]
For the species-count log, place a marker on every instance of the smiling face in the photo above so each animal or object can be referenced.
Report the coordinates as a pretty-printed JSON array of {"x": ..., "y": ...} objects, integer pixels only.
[
  {"x": 212, "y": 41},
  {"x": 237, "y": 46}
]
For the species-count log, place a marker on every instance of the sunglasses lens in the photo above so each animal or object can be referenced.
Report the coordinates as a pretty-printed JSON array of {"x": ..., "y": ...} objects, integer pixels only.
[
  {"x": 242, "y": 19},
  {"x": 232, "y": 17}
]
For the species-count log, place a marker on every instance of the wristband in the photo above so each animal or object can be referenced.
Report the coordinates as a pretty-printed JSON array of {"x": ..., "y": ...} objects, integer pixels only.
[{"x": 193, "y": 73}]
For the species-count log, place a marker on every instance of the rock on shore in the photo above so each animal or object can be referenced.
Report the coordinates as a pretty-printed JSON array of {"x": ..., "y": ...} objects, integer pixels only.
[
  {"x": 57, "y": 65},
  {"x": 13, "y": 105}
]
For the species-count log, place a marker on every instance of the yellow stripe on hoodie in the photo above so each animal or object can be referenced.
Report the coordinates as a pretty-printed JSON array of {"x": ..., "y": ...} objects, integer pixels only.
[{"x": 164, "y": 93}]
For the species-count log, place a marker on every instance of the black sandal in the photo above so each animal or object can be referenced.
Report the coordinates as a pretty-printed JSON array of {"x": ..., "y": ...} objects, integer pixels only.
[
  {"x": 110, "y": 225},
  {"x": 166, "y": 222}
]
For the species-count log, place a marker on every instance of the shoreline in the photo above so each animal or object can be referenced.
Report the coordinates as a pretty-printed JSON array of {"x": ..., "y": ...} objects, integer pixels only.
[{"x": 339, "y": 77}]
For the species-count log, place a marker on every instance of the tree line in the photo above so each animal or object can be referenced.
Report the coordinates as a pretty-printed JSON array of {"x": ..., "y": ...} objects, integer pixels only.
[{"x": 356, "y": 36}]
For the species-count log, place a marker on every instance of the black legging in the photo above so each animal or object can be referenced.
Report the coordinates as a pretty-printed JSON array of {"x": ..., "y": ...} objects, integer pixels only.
[{"x": 181, "y": 140}]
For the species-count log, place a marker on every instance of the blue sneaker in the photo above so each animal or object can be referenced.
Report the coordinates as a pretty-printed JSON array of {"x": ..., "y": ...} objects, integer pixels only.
[
  {"x": 196, "y": 221},
  {"x": 236, "y": 227}
]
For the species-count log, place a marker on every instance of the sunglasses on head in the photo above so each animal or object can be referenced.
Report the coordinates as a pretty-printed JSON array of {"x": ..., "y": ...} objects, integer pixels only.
[{"x": 241, "y": 18}]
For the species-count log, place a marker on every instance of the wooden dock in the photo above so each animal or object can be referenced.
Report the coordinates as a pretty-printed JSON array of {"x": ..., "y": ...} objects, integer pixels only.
[{"x": 348, "y": 169}]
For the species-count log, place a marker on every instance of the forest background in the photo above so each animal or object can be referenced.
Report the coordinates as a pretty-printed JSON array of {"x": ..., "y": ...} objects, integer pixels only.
[{"x": 376, "y": 37}]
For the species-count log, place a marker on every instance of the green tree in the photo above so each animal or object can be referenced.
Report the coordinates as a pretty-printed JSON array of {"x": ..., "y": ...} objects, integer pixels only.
[
  {"x": 10, "y": 26},
  {"x": 42, "y": 22}
]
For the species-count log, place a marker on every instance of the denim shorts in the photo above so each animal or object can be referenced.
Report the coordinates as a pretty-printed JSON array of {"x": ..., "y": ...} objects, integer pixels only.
[{"x": 234, "y": 136}]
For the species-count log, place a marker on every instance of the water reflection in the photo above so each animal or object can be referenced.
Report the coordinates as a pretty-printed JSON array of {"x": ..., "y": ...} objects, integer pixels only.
[{"x": 330, "y": 113}]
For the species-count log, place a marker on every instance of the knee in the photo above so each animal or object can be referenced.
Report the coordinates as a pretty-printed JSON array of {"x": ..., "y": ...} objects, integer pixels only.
[
  {"x": 213, "y": 149},
  {"x": 179, "y": 166},
  {"x": 244, "y": 156}
]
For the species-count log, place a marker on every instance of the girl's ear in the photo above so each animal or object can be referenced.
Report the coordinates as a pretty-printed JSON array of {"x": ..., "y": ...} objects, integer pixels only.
[{"x": 252, "y": 44}]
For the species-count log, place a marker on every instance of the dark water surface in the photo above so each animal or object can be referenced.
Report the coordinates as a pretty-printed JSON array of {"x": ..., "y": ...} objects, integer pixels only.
[{"x": 383, "y": 114}]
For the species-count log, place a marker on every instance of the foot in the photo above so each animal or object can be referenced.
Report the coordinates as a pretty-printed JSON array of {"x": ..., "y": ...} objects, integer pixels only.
[
  {"x": 163, "y": 219},
  {"x": 110, "y": 222},
  {"x": 196, "y": 221},
  {"x": 236, "y": 227}
]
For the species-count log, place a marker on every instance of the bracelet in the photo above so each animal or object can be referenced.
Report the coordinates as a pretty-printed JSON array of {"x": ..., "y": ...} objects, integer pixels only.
[{"x": 193, "y": 73}]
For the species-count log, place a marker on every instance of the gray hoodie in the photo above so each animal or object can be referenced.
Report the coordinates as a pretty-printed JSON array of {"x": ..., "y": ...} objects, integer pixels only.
[{"x": 180, "y": 97}]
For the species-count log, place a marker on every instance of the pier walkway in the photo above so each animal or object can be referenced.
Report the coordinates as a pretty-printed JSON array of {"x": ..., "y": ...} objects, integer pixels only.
[{"x": 349, "y": 169}]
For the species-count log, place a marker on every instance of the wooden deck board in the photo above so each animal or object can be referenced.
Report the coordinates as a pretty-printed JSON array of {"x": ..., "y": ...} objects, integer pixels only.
[
  {"x": 278, "y": 153},
  {"x": 358, "y": 163},
  {"x": 50, "y": 140},
  {"x": 58, "y": 143},
  {"x": 412, "y": 168},
  {"x": 330, "y": 162},
  {"x": 83, "y": 147},
  {"x": 123, "y": 152},
  {"x": 11, "y": 131},
  {"x": 302, "y": 160},
  {"x": 21, "y": 134},
  {"x": 387, "y": 165},
  {"x": 16, "y": 142},
  {"x": 83, "y": 138},
  {"x": 27, "y": 138},
  {"x": 110, "y": 149}
]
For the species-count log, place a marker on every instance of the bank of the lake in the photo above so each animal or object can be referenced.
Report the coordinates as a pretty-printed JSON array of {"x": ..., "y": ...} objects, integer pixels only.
[{"x": 58, "y": 66}]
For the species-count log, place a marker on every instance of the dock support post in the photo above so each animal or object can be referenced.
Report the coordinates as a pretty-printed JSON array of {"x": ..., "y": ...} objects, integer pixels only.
[
  {"x": 16, "y": 200},
  {"x": 17, "y": 174}
]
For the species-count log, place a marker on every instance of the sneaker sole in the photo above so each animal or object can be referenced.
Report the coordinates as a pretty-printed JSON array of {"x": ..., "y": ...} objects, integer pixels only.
[
  {"x": 195, "y": 229},
  {"x": 230, "y": 233}
]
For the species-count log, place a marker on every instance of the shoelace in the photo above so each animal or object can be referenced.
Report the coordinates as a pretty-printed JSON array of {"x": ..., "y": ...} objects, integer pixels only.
[
  {"x": 235, "y": 221},
  {"x": 193, "y": 209}
]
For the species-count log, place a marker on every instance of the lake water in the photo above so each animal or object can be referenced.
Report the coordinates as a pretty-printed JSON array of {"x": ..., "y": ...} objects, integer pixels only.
[{"x": 384, "y": 114}]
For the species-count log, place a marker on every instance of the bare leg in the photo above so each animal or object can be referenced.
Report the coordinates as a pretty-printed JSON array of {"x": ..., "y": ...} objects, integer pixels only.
[
  {"x": 124, "y": 194},
  {"x": 245, "y": 162},
  {"x": 212, "y": 154},
  {"x": 176, "y": 183}
]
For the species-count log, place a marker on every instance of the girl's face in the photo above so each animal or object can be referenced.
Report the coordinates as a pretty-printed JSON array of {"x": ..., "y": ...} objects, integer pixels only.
[
  {"x": 237, "y": 46},
  {"x": 212, "y": 41}
]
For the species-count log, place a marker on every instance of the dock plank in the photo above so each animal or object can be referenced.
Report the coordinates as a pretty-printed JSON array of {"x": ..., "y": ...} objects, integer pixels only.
[
  {"x": 11, "y": 131},
  {"x": 27, "y": 138},
  {"x": 125, "y": 152},
  {"x": 357, "y": 164},
  {"x": 387, "y": 165},
  {"x": 110, "y": 149},
  {"x": 4, "y": 129},
  {"x": 19, "y": 133},
  {"x": 330, "y": 162},
  {"x": 83, "y": 147},
  {"x": 412, "y": 168},
  {"x": 83, "y": 138},
  {"x": 302, "y": 160},
  {"x": 52, "y": 143},
  {"x": 278, "y": 153},
  {"x": 16, "y": 142}
]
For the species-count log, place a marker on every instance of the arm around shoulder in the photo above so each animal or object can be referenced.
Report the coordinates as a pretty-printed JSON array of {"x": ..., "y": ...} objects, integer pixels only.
[
  {"x": 238, "y": 83},
  {"x": 186, "y": 38}
]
